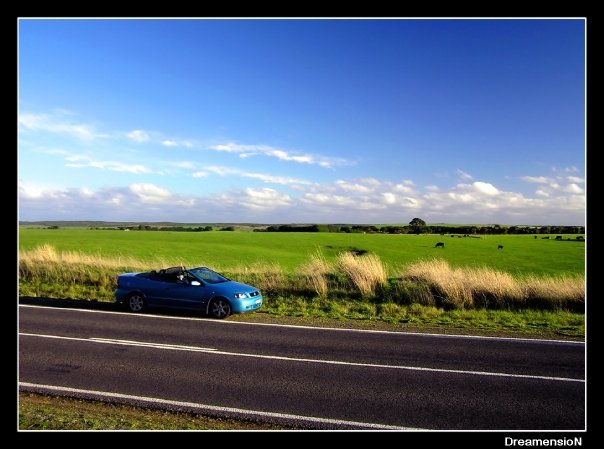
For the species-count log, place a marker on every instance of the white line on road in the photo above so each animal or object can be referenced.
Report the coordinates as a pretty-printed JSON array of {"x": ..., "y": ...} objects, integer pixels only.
[
  {"x": 124, "y": 342},
  {"x": 295, "y": 326},
  {"x": 213, "y": 408},
  {"x": 297, "y": 359}
]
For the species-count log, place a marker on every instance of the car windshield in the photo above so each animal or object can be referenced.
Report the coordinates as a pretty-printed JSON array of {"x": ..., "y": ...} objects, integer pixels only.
[{"x": 207, "y": 275}]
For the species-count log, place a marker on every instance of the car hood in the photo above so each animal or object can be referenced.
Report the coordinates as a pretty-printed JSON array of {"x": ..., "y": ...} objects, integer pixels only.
[{"x": 233, "y": 287}]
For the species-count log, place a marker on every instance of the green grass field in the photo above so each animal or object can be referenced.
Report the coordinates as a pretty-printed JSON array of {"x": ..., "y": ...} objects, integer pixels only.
[{"x": 521, "y": 255}]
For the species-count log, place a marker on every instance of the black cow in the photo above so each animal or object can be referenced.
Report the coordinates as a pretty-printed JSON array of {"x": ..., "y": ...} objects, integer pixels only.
[
  {"x": 499, "y": 246},
  {"x": 439, "y": 245}
]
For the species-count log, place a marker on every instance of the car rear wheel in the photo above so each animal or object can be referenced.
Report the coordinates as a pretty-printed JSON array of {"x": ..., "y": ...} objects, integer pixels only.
[
  {"x": 220, "y": 308},
  {"x": 136, "y": 303}
]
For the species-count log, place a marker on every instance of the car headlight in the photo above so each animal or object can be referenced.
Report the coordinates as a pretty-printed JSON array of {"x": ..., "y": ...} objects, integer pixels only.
[{"x": 240, "y": 295}]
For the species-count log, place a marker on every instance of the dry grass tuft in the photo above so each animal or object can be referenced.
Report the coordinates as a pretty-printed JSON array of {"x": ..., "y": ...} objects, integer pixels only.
[
  {"x": 560, "y": 291},
  {"x": 485, "y": 287},
  {"x": 365, "y": 272},
  {"x": 47, "y": 254},
  {"x": 315, "y": 273}
]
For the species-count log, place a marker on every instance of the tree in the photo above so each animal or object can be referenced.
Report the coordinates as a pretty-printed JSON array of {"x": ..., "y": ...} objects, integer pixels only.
[
  {"x": 417, "y": 225},
  {"x": 417, "y": 222}
]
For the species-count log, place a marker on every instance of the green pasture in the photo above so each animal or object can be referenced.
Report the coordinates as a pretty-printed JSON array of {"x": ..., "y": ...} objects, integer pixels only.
[{"x": 521, "y": 254}]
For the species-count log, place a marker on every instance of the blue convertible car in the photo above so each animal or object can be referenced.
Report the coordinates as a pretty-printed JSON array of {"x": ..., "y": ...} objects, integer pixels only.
[{"x": 198, "y": 289}]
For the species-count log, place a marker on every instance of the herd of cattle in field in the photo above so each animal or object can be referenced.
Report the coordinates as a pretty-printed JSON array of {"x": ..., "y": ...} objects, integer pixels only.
[
  {"x": 442, "y": 244},
  {"x": 558, "y": 237}
]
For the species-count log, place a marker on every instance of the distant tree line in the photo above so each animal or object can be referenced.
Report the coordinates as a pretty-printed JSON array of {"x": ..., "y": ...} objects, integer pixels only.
[
  {"x": 416, "y": 226},
  {"x": 428, "y": 229},
  {"x": 156, "y": 228},
  {"x": 300, "y": 228},
  {"x": 293, "y": 228}
]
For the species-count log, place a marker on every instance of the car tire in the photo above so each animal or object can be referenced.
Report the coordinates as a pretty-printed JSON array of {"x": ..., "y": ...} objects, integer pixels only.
[
  {"x": 136, "y": 302},
  {"x": 219, "y": 308}
]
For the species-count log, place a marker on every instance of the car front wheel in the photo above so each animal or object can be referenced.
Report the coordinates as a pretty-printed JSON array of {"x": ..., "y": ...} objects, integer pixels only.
[
  {"x": 220, "y": 308},
  {"x": 136, "y": 303}
]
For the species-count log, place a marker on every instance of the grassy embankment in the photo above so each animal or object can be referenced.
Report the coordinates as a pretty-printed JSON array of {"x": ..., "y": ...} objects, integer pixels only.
[{"x": 427, "y": 292}]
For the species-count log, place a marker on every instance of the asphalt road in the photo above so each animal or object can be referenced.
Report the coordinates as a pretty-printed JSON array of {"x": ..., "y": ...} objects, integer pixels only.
[{"x": 308, "y": 377}]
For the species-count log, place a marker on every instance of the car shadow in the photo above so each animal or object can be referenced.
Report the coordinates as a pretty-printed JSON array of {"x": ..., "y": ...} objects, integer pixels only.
[{"x": 66, "y": 303}]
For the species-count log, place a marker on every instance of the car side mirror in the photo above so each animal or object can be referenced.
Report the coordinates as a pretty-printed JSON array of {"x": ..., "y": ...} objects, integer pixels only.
[{"x": 195, "y": 283}]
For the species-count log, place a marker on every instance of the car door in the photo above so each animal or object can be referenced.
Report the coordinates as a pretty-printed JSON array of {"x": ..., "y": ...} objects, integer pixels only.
[
  {"x": 154, "y": 289},
  {"x": 186, "y": 296}
]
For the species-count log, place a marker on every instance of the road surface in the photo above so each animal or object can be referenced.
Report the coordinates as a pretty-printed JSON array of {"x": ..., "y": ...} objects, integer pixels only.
[{"x": 307, "y": 377}]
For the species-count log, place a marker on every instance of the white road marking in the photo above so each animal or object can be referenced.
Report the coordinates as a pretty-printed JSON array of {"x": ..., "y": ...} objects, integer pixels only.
[
  {"x": 297, "y": 359},
  {"x": 295, "y": 326},
  {"x": 125, "y": 342},
  {"x": 214, "y": 408}
]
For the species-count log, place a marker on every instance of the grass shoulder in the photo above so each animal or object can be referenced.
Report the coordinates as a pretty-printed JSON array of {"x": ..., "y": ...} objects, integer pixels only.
[
  {"x": 558, "y": 325},
  {"x": 45, "y": 412}
]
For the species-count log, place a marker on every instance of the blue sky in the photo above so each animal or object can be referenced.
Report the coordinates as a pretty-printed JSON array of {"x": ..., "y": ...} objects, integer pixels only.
[{"x": 279, "y": 121}]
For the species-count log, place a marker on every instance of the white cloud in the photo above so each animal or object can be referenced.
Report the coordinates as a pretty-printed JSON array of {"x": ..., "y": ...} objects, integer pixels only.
[
  {"x": 250, "y": 200},
  {"x": 370, "y": 182},
  {"x": 412, "y": 203},
  {"x": 363, "y": 196},
  {"x": 264, "y": 198},
  {"x": 246, "y": 151},
  {"x": 486, "y": 188},
  {"x": 542, "y": 192},
  {"x": 472, "y": 202},
  {"x": 463, "y": 175},
  {"x": 86, "y": 192},
  {"x": 83, "y": 161},
  {"x": 557, "y": 185},
  {"x": 353, "y": 187},
  {"x": 137, "y": 202},
  {"x": 221, "y": 171},
  {"x": 58, "y": 123},
  {"x": 138, "y": 135},
  {"x": 478, "y": 202},
  {"x": 29, "y": 191},
  {"x": 389, "y": 198},
  {"x": 200, "y": 174},
  {"x": 272, "y": 179},
  {"x": 183, "y": 164},
  {"x": 573, "y": 188},
  {"x": 150, "y": 193},
  {"x": 176, "y": 143},
  {"x": 571, "y": 169},
  {"x": 403, "y": 188},
  {"x": 536, "y": 179}
]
